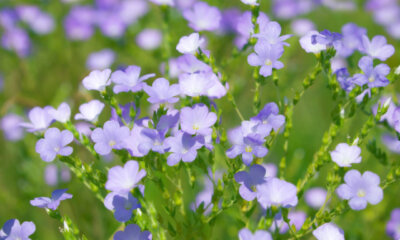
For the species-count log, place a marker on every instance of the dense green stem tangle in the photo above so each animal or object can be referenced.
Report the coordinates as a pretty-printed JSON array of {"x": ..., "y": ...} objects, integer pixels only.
[
  {"x": 91, "y": 178},
  {"x": 288, "y": 112}
]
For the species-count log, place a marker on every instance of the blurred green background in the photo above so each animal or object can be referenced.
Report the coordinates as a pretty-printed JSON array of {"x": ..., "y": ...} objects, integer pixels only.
[{"x": 53, "y": 73}]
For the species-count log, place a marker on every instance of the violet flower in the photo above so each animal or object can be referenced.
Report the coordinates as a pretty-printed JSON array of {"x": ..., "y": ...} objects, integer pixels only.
[
  {"x": 360, "y": 189},
  {"x": 308, "y": 46},
  {"x": 269, "y": 117},
  {"x": 183, "y": 147},
  {"x": 13, "y": 230},
  {"x": 129, "y": 80},
  {"x": 277, "y": 192},
  {"x": 40, "y": 119},
  {"x": 249, "y": 180},
  {"x": 246, "y": 234},
  {"x": 162, "y": 92},
  {"x": 52, "y": 203},
  {"x": 132, "y": 232},
  {"x": 266, "y": 56},
  {"x": 377, "y": 47},
  {"x": 111, "y": 136},
  {"x": 345, "y": 81},
  {"x": 372, "y": 76},
  {"x": 124, "y": 179},
  {"x": 270, "y": 33},
  {"x": 247, "y": 146},
  {"x": 327, "y": 38},
  {"x": 122, "y": 204},
  {"x": 392, "y": 227},
  {"x": 197, "y": 120},
  {"x": 54, "y": 143},
  {"x": 296, "y": 218},
  {"x": 61, "y": 114},
  {"x": 328, "y": 231}
]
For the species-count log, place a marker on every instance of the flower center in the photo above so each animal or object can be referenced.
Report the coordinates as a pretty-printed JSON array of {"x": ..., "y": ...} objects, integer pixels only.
[
  {"x": 56, "y": 149},
  {"x": 196, "y": 126},
  {"x": 371, "y": 79},
  {"x": 268, "y": 62},
  {"x": 248, "y": 149},
  {"x": 112, "y": 143},
  {"x": 361, "y": 193},
  {"x": 127, "y": 205}
]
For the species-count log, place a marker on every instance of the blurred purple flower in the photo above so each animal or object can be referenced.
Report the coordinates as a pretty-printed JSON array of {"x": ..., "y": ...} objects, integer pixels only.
[
  {"x": 203, "y": 17},
  {"x": 11, "y": 126},
  {"x": 392, "y": 227},
  {"x": 302, "y": 26},
  {"x": 315, "y": 197},
  {"x": 100, "y": 60},
  {"x": 149, "y": 39},
  {"x": 16, "y": 39}
]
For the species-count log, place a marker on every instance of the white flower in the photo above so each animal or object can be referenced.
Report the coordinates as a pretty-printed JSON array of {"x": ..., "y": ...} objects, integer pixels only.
[
  {"x": 62, "y": 113},
  {"x": 345, "y": 155},
  {"x": 328, "y": 231},
  {"x": 250, "y": 2},
  {"x": 90, "y": 111},
  {"x": 308, "y": 46},
  {"x": 189, "y": 44},
  {"x": 97, "y": 80}
]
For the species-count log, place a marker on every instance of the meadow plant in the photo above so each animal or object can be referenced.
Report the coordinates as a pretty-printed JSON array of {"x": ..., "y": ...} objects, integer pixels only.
[{"x": 175, "y": 151}]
